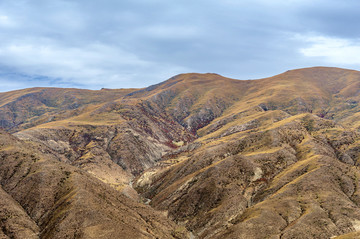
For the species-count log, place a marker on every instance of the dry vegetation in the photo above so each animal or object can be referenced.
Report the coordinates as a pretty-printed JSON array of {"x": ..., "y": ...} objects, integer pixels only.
[{"x": 270, "y": 158}]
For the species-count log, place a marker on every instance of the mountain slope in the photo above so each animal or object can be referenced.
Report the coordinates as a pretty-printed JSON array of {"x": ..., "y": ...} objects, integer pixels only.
[
  {"x": 15, "y": 223},
  {"x": 249, "y": 148},
  {"x": 55, "y": 200},
  {"x": 224, "y": 158},
  {"x": 271, "y": 177},
  {"x": 26, "y": 108}
]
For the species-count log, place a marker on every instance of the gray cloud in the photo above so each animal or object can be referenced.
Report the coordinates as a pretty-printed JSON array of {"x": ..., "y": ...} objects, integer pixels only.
[{"x": 118, "y": 44}]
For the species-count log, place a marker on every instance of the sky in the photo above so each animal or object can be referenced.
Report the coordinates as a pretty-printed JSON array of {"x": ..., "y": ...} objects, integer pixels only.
[{"x": 96, "y": 44}]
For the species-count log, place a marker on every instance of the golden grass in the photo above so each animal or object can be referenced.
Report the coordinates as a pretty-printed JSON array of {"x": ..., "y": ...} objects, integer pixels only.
[
  {"x": 267, "y": 151},
  {"x": 311, "y": 163}
]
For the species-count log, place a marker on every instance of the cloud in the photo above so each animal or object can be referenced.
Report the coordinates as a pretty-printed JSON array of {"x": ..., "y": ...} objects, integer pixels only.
[
  {"x": 331, "y": 49},
  {"x": 135, "y": 43},
  {"x": 169, "y": 32},
  {"x": 6, "y": 22},
  {"x": 88, "y": 66}
]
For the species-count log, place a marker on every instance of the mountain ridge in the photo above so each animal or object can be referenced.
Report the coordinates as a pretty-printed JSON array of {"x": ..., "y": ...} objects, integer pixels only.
[{"x": 218, "y": 156}]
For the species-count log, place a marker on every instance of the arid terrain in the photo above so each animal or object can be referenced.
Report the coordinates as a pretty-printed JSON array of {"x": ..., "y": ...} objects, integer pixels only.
[{"x": 196, "y": 156}]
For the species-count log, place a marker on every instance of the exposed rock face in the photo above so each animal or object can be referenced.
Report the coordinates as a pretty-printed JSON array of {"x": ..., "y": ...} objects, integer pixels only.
[
  {"x": 45, "y": 198},
  {"x": 146, "y": 130},
  {"x": 222, "y": 158}
]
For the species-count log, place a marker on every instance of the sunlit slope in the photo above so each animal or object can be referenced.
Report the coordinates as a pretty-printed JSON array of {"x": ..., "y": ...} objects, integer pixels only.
[
  {"x": 279, "y": 161},
  {"x": 193, "y": 100},
  {"x": 196, "y": 100},
  {"x": 295, "y": 177},
  {"x": 30, "y": 107}
]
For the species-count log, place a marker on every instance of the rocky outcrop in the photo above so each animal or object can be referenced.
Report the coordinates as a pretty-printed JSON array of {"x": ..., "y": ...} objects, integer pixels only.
[{"x": 49, "y": 199}]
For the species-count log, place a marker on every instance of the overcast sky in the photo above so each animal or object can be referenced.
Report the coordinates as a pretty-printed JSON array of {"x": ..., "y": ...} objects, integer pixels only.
[{"x": 135, "y": 43}]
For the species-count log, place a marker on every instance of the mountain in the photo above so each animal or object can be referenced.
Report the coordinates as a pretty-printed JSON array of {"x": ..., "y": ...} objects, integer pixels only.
[
  {"x": 213, "y": 157},
  {"x": 45, "y": 198}
]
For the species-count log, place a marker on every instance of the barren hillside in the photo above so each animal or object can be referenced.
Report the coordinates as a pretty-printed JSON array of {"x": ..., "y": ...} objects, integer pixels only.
[{"x": 196, "y": 156}]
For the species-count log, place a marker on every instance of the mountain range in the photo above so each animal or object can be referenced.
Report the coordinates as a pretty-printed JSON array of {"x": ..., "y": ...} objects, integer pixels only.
[{"x": 196, "y": 156}]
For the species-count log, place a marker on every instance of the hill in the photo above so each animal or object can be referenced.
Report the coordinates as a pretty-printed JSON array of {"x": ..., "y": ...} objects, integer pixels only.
[
  {"x": 224, "y": 158},
  {"x": 42, "y": 197}
]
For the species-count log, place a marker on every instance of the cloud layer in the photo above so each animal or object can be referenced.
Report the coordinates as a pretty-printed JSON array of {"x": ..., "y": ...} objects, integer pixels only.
[{"x": 120, "y": 44}]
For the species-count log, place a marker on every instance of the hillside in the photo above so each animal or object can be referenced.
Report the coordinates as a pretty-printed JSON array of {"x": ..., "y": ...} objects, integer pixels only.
[
  {"x": 42, "y": 197},
  {"x": 222, "y": 158}
]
